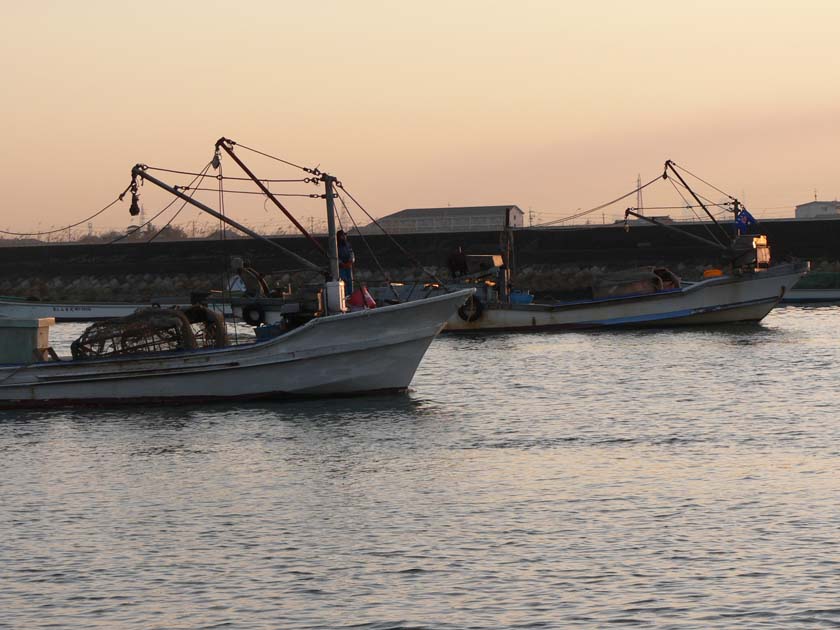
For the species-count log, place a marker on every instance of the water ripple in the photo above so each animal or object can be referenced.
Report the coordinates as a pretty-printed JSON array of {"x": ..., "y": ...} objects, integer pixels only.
[{"x": 667, "y": 479}]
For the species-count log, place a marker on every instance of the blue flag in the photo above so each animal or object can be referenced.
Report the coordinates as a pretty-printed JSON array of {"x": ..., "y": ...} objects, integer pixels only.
[{"x": 743, "y": 220}]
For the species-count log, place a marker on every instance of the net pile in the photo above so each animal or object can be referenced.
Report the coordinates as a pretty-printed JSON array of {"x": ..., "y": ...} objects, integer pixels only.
[{"x": 152, "y": 330}]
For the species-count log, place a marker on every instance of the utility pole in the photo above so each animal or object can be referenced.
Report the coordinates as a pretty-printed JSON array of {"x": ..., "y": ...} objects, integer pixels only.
[{"x": 639, "y": 202}]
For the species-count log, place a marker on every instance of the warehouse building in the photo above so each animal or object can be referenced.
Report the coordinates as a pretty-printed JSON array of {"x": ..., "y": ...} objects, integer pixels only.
[
  {"x": 464, "y": 219},
  {"x": 818, "y": 210}
]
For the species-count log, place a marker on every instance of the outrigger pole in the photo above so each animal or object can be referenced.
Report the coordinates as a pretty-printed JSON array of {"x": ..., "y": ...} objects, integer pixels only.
[
  {"x": 140, "y": 170},
  {"x": 716, "y": 244},
  {"x": 227, "y": 145}
]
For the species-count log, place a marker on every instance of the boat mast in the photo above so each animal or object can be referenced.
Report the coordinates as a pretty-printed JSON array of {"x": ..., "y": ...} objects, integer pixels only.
[{"x": 332, "y": 239}]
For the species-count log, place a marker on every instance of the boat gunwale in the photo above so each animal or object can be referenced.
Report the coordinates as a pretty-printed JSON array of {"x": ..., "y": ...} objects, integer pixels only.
[
  {"x": 646, "y": 322},
  {"x": 683, "y": 290},
  {"x": 244, "y": 348}
]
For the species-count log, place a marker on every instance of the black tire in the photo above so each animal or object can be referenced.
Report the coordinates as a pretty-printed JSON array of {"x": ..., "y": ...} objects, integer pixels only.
[
  {"x": 253, "y": 314},
  {"x": 472, "y": 310}
]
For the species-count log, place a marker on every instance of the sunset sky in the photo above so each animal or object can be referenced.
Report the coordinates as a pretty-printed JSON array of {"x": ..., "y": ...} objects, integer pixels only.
[{"x": 552, "y": 106}]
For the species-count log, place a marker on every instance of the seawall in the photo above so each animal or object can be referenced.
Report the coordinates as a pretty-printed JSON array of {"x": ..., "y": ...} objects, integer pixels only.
[{"x": 543, "y": 259}]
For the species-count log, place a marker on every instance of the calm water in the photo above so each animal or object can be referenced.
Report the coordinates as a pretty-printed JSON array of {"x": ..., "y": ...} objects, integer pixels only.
[{"x": 684, "y": 479}]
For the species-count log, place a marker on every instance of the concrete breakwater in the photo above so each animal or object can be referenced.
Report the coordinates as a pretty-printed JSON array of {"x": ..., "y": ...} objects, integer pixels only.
[
  {"x": 148, "y": 287},
  {"x": 142, "y": 288},
  {"x": 544, "y": 260}
]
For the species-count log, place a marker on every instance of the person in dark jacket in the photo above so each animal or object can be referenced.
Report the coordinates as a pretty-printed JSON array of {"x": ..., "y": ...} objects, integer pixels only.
[
  {"x": 457, "y": 263},
  {"x": 346, "y": 260}
]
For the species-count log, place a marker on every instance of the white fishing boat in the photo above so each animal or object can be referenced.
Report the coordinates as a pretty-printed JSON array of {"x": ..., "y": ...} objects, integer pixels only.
[
  {"x": 250, "y": 310},
  {"x": 812, "y": 296},
  {"x": 20, "y": 308},
  {"x": 746, "y": 297},
  {"x": 156, "y": 355},
  {"x": 347, "y": 353},
  {"x": 819, "y": 287},
  {"x": 745, "y": 288}
]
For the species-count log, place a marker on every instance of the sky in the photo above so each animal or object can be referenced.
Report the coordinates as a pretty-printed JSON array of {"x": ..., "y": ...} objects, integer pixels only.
[{"x": 551, "y": 105}]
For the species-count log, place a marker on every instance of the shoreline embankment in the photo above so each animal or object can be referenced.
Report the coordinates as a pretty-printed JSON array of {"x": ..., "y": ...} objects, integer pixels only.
[{"x": 544, "y": 260}]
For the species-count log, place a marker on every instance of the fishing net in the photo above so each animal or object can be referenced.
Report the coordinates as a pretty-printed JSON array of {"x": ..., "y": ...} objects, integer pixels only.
[{"x": 152, "y": 330}]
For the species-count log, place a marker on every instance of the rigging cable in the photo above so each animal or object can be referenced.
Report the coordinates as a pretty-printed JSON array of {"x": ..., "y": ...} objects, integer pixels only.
[
  {"x": 687, "y": 205},
  {"x": 303, "y": 168},
  {"x": 703, "y": 180},
  {"x": 393, "y": 240},
  {"x": 257, "y": 192},
  {"x": 169, "y": 205},
  {"x": 223, "y": 238},
  {"x": 175, "y": 216},
  {"x": 602, "y": 206},
  {"x": 367, "y": 245},
  {"x": 303, "y": 180},
  {"x": 68, "y": 227}
]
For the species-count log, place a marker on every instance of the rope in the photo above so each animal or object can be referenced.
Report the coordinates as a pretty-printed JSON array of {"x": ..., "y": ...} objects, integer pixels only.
[
  {"x": 602, "y": 206},
  {"x": 367, "y": 245},
  {"x": 703, "y": 180},
  {"x": 394, "y": 241},
  {"x": 175, "y": 216},
  {"x": 68, "y": 227},
  {"x": 305, "y": 180},
  {"x": 225, "y": 258},
  {"x": 169, "y": 205},
  {"x": 256, "y": 192},
  {"x": 715, "y": 205},
  {"x": 303, "y": 168},
  {"x": 687, "y": 205}
]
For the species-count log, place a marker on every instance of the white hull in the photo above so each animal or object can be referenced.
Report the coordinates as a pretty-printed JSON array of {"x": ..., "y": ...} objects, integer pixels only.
[
  {"x": 11, "y": 308},
  {"x": 719, "y": 300},
  {"x": 66, "y": 311},
  {"x": 352, "y": 353}
]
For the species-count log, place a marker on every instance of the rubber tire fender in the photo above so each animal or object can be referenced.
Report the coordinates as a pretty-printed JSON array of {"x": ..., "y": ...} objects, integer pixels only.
[
  {"x": 472, "y": 309},
  {"x": 253, "y": 314}
]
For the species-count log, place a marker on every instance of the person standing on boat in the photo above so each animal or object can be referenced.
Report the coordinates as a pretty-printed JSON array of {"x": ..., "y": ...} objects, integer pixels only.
[
  {"x": 346, "y": 260},
  {"x": 457, "y": 263}
]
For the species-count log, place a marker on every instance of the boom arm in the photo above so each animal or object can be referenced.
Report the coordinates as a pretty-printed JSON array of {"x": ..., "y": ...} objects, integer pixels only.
[{"x": 140, "y": 171}]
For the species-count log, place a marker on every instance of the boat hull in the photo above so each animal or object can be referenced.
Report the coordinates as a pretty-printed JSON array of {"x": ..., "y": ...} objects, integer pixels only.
[
  {"x": 721, "y": 300},
  {"x": 65, "y": 312},
  {"x": 366, "y": 351},
  {"x": 812, "y": 296}
]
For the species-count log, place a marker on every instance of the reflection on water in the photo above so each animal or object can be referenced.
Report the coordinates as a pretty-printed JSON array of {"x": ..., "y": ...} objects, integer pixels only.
[{"x": 655, "y": 478}]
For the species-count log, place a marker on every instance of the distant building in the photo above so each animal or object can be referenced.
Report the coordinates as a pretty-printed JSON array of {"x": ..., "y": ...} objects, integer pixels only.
[
  {"x": 818, "y": 209},
  {"x": 466, "y": 219}
]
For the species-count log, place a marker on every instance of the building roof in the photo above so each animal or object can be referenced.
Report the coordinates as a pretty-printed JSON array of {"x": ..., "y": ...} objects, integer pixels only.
[
  {"x": 413, "y": 213},
  {"x": 819, "y": 203}
]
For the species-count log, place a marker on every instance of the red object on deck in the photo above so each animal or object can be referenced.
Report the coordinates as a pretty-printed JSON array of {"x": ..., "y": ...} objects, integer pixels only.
[{"x": 361, "y": 298}]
